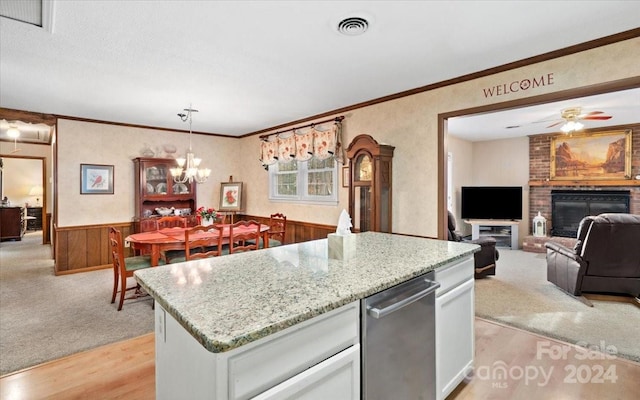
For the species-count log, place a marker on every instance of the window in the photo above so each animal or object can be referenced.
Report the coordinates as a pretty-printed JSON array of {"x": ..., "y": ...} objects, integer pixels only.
[{"x": 313, "y": 181}]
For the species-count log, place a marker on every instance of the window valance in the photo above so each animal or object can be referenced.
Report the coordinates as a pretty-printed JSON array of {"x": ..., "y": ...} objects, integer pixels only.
[{"x": 317, "y": 142}]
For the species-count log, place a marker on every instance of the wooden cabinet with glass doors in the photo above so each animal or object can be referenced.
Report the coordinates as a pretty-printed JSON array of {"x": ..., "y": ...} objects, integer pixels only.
[
  {"x": 155, "y": 188},
  {"x": 370, "y": 184}
]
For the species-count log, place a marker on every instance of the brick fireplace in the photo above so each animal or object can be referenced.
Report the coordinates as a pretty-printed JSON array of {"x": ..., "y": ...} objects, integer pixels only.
[{"x": 540, "y": 186}]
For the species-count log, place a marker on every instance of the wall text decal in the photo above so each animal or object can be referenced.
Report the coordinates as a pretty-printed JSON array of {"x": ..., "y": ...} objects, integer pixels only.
[{"x": 518, "y": 86}]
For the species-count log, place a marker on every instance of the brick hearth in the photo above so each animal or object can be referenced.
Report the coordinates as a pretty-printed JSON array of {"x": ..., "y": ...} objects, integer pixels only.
[{"x": 535, "y": 244}]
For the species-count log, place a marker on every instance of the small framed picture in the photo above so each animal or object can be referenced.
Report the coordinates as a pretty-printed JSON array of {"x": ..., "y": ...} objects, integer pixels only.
[
  {"x": 230, "y": 196},
  {"x": 96, "y": 179},
  {"x": 345, "y": 176}
]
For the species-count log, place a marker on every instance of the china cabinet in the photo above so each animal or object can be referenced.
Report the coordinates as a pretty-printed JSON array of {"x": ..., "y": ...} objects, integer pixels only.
[
  {"x": 154, "y": 188},
  {"x": 370, "y": 184}
]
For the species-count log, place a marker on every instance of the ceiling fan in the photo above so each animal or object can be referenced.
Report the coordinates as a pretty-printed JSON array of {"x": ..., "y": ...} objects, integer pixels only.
[{"x": 572, "y": 116}]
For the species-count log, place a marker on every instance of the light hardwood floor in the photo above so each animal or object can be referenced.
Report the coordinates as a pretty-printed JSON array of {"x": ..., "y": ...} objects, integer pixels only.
[{"x": 126, "y": 370}]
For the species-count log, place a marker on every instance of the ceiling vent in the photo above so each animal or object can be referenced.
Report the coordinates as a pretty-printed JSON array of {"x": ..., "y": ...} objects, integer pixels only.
[{"x": 353, "y": 26}]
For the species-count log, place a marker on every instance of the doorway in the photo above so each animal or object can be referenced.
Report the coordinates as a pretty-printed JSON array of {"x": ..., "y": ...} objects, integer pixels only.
[
  {"x": 23, "y": 185},
  {"x": 443, "y": 123}
]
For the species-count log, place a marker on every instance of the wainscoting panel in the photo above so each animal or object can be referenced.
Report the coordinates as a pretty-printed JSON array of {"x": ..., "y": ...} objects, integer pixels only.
[
  {"x": 297, "y": 231},
  {"x": 85, "y": 248}
]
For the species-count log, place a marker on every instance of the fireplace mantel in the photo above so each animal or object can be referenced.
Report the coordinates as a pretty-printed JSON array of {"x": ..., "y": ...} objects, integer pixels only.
[{"x": 600, "y": 182}]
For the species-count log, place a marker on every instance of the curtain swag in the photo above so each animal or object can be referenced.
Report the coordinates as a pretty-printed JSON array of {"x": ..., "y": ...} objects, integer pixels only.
[{"x": 316, "y": 143}]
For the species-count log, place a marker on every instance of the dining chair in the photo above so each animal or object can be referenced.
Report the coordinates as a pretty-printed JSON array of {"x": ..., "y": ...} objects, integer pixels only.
[
  {"x": 124, "y": 267},
  {"x": 204, "y": 247},
  {"x": 148, "y": 224},
  {"x": 195, "y": 247},
  {"x": 145, "y": 225},
  {"x": 244, "y": 236},
  {"x": 277, "y": 230},
  {"x": 172, "y": 221}
]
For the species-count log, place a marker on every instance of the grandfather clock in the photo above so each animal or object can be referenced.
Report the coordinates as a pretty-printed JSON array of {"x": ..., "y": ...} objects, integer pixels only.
[{"x": 370, "y": 184}]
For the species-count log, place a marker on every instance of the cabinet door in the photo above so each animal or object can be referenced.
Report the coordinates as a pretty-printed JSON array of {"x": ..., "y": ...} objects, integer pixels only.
[
  {"x": 155, "y": 182},
  {"x": 454, "y": 337}
]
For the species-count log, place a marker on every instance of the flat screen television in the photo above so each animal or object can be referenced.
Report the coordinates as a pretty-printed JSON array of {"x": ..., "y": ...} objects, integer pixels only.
[{"x": 492, "y": 202}]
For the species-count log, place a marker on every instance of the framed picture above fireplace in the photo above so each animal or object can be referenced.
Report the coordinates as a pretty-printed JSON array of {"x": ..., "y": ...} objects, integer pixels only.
[{"x": 588, "y": 156}]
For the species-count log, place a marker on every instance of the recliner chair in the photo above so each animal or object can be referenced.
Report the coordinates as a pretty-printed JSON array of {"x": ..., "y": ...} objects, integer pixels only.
[
  {"x": 485, "y": 259},
  {"x": 605, "y": 259}
]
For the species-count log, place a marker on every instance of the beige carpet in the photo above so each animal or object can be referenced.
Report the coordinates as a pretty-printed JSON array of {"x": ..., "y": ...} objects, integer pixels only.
[
  {"x": 45, "y": 317},
  {"x": 520, "y": 295}
]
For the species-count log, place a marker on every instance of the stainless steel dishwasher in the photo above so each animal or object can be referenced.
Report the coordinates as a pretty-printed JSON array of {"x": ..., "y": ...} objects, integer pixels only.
[{"x": 398, "y": 342}]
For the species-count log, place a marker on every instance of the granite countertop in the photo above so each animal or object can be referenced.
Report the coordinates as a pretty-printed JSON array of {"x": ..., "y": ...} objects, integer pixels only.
[{"x": 226, "y": 302}]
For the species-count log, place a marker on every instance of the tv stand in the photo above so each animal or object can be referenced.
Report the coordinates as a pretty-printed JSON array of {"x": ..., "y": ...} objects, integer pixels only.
[{"x": 500, "y": 229}]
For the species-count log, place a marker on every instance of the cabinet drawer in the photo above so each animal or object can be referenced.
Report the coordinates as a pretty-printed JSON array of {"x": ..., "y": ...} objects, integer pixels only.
[
  {"x": 453, "y": 275},
  {"x": 335, "y": 378},
  {"x": 272, "y": 362}
]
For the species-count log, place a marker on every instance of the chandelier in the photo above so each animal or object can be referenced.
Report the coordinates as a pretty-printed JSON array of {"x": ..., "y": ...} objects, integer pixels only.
[{"x": 191, "y": 171}]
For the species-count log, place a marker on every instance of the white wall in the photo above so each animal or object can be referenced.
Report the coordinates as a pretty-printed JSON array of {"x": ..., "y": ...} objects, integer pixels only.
[
  {"x": 462, "y": 155},
  {"x": 93, "y": 143},
  {"x": 504, "y": 163}
]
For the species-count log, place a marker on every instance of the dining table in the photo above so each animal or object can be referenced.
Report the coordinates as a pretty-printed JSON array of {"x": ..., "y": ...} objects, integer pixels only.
[{"x": 159, "y": 241}]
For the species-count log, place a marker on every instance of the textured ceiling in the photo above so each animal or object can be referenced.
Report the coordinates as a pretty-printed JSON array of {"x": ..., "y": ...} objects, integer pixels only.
[{"x": 252, "y": 65}]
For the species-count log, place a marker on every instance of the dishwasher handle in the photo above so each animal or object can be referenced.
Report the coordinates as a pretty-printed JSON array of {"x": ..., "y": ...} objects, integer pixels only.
[{"x": 377, "y": 313}]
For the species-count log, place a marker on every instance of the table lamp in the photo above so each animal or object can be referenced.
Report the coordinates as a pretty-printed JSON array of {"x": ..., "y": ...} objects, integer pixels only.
[{"x": 36, "y": 191}]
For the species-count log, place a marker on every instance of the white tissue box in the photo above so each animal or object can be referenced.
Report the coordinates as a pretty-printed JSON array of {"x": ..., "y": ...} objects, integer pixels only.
[{"x": 342, "y": 247}]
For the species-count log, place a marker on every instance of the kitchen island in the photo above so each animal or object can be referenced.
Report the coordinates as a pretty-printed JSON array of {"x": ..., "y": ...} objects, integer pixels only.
[{"x": 272, "y": 322}]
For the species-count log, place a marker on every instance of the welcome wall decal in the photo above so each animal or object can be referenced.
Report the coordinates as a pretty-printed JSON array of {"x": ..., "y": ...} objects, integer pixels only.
[{"x": 519, "y": 86}]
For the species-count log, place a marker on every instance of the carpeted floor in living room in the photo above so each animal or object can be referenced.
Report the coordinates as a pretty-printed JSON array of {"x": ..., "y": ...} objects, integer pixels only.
[{"x": 519, "y": 295}]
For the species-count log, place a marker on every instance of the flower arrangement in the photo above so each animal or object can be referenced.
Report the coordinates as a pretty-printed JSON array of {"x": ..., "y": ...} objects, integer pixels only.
[{"x": 206, "y": 214}]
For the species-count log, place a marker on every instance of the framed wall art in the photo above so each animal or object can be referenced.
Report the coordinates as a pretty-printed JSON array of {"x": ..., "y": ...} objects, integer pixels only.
[
  {"x": 96, "y": 179},
  {"x": 590, "y": 156},
  {"x": 230, "y": 196}
]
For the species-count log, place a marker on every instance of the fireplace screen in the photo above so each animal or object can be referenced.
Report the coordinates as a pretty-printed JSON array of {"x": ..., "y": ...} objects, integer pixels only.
[{"x": 568, "y": 207}]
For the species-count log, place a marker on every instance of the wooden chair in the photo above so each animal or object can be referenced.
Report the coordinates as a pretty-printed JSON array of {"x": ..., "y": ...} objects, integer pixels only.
[
  {"x": 124, "y": 267},
  {"x": 199, "y": 247},
  {"x": 172, "y": 221},
  {"x": 146, "y": 225},
  {"x": 244, "y": 240},
  {"x": 278, "y": 229},
  {"x": 207, "y": 247}
]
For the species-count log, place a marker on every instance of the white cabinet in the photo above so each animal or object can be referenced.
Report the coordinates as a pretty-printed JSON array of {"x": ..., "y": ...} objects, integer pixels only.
[
  {"x": 318, "y": 357},
  {"x": 454, "y": 325}
]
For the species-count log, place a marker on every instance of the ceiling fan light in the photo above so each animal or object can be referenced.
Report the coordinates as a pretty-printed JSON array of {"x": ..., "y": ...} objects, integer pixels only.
[
  {"x": 13, "y": 132},
  {"x": 571, "y": 126}
]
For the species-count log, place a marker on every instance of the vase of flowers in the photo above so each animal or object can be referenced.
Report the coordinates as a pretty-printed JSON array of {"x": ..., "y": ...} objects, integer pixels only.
[{"x": 206, "y": 216}]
